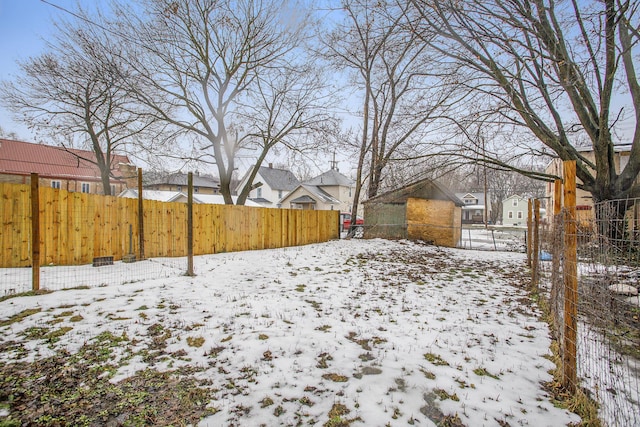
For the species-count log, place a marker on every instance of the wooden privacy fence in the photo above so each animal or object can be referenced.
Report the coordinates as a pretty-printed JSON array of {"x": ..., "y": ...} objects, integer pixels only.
[{"x": 76, "y": 227}]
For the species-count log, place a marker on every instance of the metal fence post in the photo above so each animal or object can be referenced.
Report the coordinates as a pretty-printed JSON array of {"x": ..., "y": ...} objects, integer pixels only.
[
  {"x": 140, "y": 215},
  {"x": 190, "y": 225},
  {"x": 35, "y": 232}
]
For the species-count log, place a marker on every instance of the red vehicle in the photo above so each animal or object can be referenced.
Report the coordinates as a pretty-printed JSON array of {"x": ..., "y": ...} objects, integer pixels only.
[{"x": 345, "y": 221}]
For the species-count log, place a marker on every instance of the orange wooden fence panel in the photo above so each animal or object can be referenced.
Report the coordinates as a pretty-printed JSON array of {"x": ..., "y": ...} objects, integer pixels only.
[{"x": 76, "y": 227}]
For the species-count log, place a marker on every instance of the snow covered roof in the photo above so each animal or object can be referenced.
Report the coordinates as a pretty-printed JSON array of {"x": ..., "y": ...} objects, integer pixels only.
[
  {"x": 181, "y": 196},
  {"x": 159, "y": 195}
]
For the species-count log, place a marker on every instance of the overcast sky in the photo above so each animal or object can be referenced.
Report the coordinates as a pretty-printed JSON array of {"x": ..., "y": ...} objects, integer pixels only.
[{"x": 24, "y": 25}]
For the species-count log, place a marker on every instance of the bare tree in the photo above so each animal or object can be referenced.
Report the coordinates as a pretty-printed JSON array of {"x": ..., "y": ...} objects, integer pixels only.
[
  {"x": 4, "y": 134},
  {"x": 564, "y": 71},
  {"x": 287, "y": 109},
  {"x": 401, "y": 92},
  {"x": 76, "y": 94},
  {"x": 223, "y": 73}
]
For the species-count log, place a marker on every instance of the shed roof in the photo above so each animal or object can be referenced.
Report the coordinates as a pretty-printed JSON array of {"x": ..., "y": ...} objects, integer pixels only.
[
  {"x": 24, "y": 158},
  {"x": 423, "y": 189}
]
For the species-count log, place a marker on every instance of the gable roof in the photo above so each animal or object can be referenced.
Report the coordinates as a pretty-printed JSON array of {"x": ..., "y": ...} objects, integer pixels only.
[
  {"x": 515, "y": 196},
  {"x": 278, "y": 179},
  {"x": 24, "y": 158},
  {"x": 478, "y": 196},
  {"x": 425, "y": 189},
  {"x": 331, "y": 178},
  {"x": 313, "y": 191}
]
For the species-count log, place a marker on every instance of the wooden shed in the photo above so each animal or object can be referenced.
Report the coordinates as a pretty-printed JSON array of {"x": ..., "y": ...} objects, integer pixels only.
[{"x": 424, "y": 210}]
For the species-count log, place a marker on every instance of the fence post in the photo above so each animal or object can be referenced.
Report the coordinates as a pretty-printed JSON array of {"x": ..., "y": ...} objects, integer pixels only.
[
  {"x": 556, "y": 244},
  {"x": 190, "y": 225},
  {"x": 140, "y": 215},
  {"x": 35, "y": 232},
  {"x": 535, "y": 242},
  {"x": 529, "y": 220},
  {"x": 570, "y": 278}
]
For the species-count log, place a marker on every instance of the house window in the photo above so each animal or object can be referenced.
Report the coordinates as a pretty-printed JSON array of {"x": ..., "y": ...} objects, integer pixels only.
[
  {"x": 279, "y": 194},
  {"x": 55, "y": 184},
  {"x": 196, "y": 189},
  {"x": 469, "y": 201},
  {"x": 259, "y": 192},
  {"x": 85, "y": 187},
  {"x": 179, "y": 187},
  {"x": 515, "y": 202},
  {"x": 519, "y": 214},
  {"x": 510, "y": 215}
]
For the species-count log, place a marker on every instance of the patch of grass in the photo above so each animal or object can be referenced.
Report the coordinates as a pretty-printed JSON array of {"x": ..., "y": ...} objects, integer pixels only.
[
  {"x": 323, "y": 328},
  {"x": 306, "y": 401},
  {"x": 435, "y": 359},
  {"x": 54, "y": 336},
  {"x": 428, "y": 374},
  {"x": 214, "y": 351},
  {"x": 337, "y": 411},
  {"x": 195, "y": 341},
  {"x": 278, "y": 411},
  {"x": 71, "y": 391},
  {"x": 322, "y": 363},
  {"x": 142, "y": 307},
  {"x": 263, "y": 337},
  {"x": 76, "y": 318},
  {"x": 267, "y": 401},
  {"x": 226, "y": 338},
  {"x": 335, "y": 377},
  {"x": 443, "y": 395},
  {"x": 482, "y": 372},
  {"x": 20, "y": 316},
  {"x": 35, "y": 333},
  {"x": 26, "y": 294},
  {"x": 300, "y": 288}
]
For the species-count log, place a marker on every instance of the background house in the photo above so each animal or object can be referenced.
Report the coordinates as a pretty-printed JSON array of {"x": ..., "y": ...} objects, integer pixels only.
[
  {"x": 328, "y": 191},
  {"x": 57, "y": 167},
  {"x": 275, "y": 184},
  {"x": 515, "y": 210},
  {"x": 584, "y": 200},
  {"x": 180, "y": 197},
  {"x": 178, "y": 181},
  {"x": 473, "y": 211},
  {"x": 424, "y": 210}
]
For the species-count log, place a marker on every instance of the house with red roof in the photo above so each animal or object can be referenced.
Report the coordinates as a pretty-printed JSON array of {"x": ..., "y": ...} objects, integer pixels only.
[{"x": 68, "y": 169}]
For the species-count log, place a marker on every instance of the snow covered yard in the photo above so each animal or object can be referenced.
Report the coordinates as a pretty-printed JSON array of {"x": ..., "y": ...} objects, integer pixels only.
[{"x": 350, "y": 332}]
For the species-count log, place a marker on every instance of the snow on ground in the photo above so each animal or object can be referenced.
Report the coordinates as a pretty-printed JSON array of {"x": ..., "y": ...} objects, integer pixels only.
[{"x": 390, "y": 333}]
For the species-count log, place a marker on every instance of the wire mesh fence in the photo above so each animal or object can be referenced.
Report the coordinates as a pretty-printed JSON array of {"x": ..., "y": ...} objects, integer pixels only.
[
  {"x": 53, "y": 239},
  {"x": 604, "y": 332}
]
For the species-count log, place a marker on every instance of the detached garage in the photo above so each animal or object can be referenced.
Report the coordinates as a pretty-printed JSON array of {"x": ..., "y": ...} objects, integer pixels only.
[{"x": 424, "y": 210}]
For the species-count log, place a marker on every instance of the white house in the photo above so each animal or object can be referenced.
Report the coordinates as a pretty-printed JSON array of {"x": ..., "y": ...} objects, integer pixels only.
[
  {"x": 474, "y": 207},
  {"x": 328, "y": 191},
  {"x": 515, "y": 210},
  {"x": 271, "y": 184}
]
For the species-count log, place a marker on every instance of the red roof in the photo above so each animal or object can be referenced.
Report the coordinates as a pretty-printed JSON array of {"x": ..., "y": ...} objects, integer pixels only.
[{"x": 24, "y": 158}]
